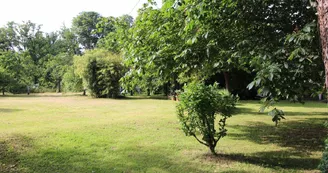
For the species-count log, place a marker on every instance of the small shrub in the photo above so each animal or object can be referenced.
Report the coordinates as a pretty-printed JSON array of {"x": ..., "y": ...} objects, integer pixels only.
[
  {"x": 197, "y": 110},
  {"x": 277, "y": 115}
]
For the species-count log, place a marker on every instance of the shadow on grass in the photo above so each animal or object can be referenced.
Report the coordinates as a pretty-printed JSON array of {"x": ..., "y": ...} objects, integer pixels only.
[
  {"x": 156, "y": 97},
  {"x": 37, "y": 95},
  {"x": 304, "y": 136},
  {"x": 6, "y": 110},
  {"x": 290, "y": 159},
  {"x": 282, "y": 104},
  {"x": 9, "y": 153},
  {"x": 19, "y": 154},
  {"x": 34, "y": 95},
  {"x": 307, "y": 104},
  {"x": 306, "y": 113},
  {"x": 244, "y": 110}
]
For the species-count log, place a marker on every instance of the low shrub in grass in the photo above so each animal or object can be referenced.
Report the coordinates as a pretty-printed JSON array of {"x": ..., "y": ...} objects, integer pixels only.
[{"x": 198, "y": 109}]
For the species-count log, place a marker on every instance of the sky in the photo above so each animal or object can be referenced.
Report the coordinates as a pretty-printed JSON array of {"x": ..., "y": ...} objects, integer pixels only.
[{"x": 53, "y": 14}]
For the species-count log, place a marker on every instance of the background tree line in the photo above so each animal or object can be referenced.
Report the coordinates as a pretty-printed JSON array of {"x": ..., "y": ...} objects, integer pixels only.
[
  {"x": 32, "y": 60},
  {"x": 272, "y": 47}
]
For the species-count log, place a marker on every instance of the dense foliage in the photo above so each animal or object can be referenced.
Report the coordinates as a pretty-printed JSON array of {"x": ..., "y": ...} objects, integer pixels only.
[
  {"x": 32, "y": 60},
  {"x": 101, "y": 71},
  {"x": 71, "y": 81},
  {"x": 275, "y": 44},
  {"x": 198, "y": 109}
]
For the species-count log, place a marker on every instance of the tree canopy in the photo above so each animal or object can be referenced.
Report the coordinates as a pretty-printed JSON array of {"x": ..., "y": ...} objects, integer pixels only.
[{"x": 272, "y": 46}]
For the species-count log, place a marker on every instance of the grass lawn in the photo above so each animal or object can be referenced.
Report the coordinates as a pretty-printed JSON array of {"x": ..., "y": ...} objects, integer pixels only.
[{"x": 51, "y": 133}]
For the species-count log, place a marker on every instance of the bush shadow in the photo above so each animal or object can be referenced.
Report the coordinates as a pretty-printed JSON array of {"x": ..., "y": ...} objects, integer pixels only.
[
  {"x": 306, "y": 113},
  {"x": 36, "y": 95},
  {"x": 309, "y": 104},
  {"x": 244, "y": 110},
  {"x": 6, "y": 110},
  {"x": 291, "y": 159},
  {"x": 10, "y": 151},
  {"x": 306, "y": 136},
  {"x": 144, "y": 98}
]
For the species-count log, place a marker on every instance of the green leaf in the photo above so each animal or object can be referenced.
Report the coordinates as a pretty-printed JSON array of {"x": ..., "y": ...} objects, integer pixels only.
[
  {"x": 307, "y": 29},
  {"x": 271, "y": 76},
  {"x": 258, "y": 81},
  {"x": 291, "y": 38},
  {"x": 251, "y": 85}
]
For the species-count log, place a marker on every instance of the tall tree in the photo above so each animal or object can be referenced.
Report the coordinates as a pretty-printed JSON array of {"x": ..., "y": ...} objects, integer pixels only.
[
  {"x": 8, "y": 37},
  {"x": 117, "y": 37},
  {"x": 85, "y": 27},
  {"x": 69, "y": 42},
  {"x": 16, "y": 71},
  {"x": 322, "y": 8},
  {"x": 56, "y": 68},
  {"x": 33, "y": 41}
]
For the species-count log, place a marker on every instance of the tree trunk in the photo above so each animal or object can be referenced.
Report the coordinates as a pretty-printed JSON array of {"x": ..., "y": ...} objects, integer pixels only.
[
  {"x": 166, "y": 89},
  {"x": 322, "y": 9},
  {"x": 3, "y": 91},
  {"x": 212, "y": 148},
  {"x": 35, "y": 80},
  {"x": 148, "y": 92},
  {"x": 58, "y": 86},
  {"x": 226, "y": 80},
  {"x": 84, "y": 92},
  {"x": 28, "y": 90}
]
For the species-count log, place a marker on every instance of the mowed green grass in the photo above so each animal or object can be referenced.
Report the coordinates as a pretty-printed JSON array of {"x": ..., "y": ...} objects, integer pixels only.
[{"x": 79, "y": 134}]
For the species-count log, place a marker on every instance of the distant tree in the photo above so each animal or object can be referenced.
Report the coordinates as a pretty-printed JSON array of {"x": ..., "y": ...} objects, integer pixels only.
[
  {"x": 117, "y": 39},
  {"x": 105, "y": 25},
  {"x": 101, "y": 71},
  {"x": 35, "y": 45},
  {"x": 8, "y": 37},
  {"x": 4, "y": 80},
  {"x": 57, "y": 66},
  {"x": 69, "y": 41},
  {"x": 85, "y": 27},
  {"x": 16, "y": 71}
]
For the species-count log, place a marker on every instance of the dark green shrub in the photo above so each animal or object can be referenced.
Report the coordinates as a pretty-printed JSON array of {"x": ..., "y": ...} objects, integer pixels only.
[
  {"x": 101, "y": 71},
  {"x": 197, "y": 111}
]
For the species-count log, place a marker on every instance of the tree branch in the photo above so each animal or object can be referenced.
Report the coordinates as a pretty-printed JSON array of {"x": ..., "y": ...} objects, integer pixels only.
[{"x": 200, "y": 140}]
